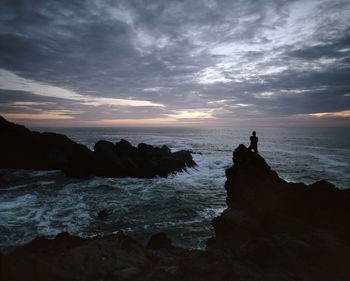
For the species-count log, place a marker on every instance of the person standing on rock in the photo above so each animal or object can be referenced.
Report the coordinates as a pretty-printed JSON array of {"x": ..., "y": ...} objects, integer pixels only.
[{"x": 254, "y": 143}]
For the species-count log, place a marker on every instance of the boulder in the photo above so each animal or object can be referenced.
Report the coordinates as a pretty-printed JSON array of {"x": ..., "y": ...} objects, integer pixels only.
[
  {"x": 159, "y": 241},
  {"x": 104, "y": 148},
  {"x": 124, "y": 148},
  {"x": 103, "y": 214}
]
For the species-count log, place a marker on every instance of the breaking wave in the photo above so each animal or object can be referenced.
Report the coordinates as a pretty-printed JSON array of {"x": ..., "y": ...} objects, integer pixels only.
[{"x": 45, "y": 203}]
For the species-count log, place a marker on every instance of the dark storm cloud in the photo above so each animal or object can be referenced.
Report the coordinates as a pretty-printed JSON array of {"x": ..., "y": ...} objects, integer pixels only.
[
  {"x": 9, "y": 96},
  {"x": 26, "y": 102},
  {"x": 340, "y": 48},
  {"x": 291, "y": 93},
  {"x": 69, "y": 47},
  {"x": 56, "y": 40},
  {"x": 238, "y": 58}
]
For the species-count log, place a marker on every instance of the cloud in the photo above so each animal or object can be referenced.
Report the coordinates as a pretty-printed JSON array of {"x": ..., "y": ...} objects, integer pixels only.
[
  {"x": 19, "y": 105},
  {"x": 345, "y": 113},
  {"x": 132, "y": 60}
]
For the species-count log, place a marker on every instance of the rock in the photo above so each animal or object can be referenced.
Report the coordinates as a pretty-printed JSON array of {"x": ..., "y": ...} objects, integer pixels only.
[
  {"x": 286, "y": 228},
  {"x": 259, "y": 201},
  {"x": 103, "y": 214},
  {"x": 21, "y": 148},
  {"x": 80, "y": 164},
  {"x": 271, "y": 230},
  {"x": 144, "y": 161},
  {"x": 63, "y": 236},
  {"x": 73, "y": 258},
  {"x": 104, "y": 148},
  {"x": 194, "y": 152},
  {"x": 124, "y": 147},
  {"x": 11, "y": 128},
  {"x": 166, "y": 150},
  {"x": 159, "y": 241},
  {"x": 126, "y": 273}
]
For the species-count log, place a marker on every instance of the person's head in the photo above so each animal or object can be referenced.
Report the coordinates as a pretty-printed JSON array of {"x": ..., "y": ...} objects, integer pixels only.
[{"x": 254, "y": 133}]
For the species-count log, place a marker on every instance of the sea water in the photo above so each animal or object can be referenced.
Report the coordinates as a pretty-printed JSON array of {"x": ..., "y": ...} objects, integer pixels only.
[{"x": 45, "y": 203}]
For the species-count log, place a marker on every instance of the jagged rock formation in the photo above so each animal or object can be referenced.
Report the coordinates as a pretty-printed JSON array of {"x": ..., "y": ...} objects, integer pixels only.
[
  {"x": 115, "y": 257},
  {"x": 144, "y": 161},
  {"x": 272, "y": 230},
  {"x": 21, "y": 148},
  {"x": 297, "y": 231},
  {"x": 159, "y": 241}
]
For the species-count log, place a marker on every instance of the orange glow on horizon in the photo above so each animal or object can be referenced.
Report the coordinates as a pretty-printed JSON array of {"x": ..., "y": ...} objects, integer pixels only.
[
  {"x": 345, "y": 113},
  {"x": 41, "y": 116},
  {"x": 151, "y": 121},
  {"x": 191, "y": 115},
  {"x": 183, "y": 117}
]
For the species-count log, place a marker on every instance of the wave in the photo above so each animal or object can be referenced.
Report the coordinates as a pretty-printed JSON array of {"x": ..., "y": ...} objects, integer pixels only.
[{"x": 45, "y": 203}]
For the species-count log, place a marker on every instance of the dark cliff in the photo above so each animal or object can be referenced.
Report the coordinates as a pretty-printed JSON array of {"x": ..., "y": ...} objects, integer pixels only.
[{"x": 296, "y": 231}]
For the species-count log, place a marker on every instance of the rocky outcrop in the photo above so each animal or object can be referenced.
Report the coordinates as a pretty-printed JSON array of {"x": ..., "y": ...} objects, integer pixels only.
[
  {"x": 295, "y": 230},
  {"x": 21, "y": 148},
  {"x": 272, "y": 230},
  {"x": 117, "y": 257},
  {"x": 144, "y": 161}
]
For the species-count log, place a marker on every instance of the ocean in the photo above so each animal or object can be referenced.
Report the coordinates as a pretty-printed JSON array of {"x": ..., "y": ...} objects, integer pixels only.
[{"x": 45, "y": 203}]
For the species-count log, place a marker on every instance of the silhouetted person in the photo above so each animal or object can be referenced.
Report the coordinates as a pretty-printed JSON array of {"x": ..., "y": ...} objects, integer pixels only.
[{"x": 254, "y": 143}]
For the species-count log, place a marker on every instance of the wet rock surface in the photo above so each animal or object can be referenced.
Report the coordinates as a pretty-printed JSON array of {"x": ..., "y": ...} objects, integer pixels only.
[
  {"x": 271, "y": 230},
  {"x": 115, "y": 257},
  {"x": 291, "y": 230},
  {"x": 21, "y": 148},
  {"x": 144, "y": 161},
  {"x": 159, "y": 241}
]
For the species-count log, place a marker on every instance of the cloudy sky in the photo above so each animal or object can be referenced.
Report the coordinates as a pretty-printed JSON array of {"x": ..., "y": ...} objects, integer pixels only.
[{"x": 172, "y": 62}]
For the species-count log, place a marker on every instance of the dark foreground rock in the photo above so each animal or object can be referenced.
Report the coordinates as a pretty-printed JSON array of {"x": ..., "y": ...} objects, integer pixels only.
[
  {"x": 272, "y": 230},
  {"x": 118, "y": 257},
  {"x": 159, "y": 241},
  {"x": 290, "y": 230},
  {"x": 21, "y": 148},
  {"x": 115, "y": 257}
]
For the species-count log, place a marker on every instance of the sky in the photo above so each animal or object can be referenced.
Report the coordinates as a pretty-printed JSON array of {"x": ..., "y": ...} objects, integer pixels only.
[{"x": 172, "y": 62}]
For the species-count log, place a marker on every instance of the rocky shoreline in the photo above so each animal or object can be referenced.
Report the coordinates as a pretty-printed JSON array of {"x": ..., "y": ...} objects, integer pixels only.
[
  {"x": 271, "y": 230},
  {"x": 21, "y": 148}
]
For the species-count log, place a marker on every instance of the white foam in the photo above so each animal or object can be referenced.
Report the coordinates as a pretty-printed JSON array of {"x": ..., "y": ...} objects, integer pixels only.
[
  {"x": 73, "y": 205},
  {"x": 16, "y": 202},
  {"x": 41, "y": 173},
  {"x": 15, "y": 187},
  {"x": 210, "y": 213},
  {"x": 45, "y": 182}
]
